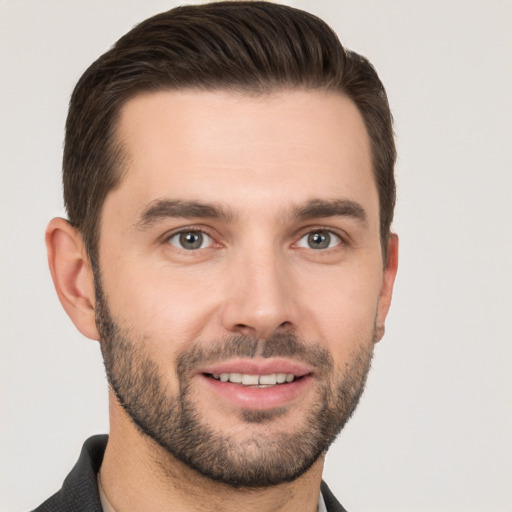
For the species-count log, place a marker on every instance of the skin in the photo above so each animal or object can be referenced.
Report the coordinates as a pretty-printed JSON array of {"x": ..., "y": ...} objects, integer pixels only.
[{"x": 260, "y": 159}]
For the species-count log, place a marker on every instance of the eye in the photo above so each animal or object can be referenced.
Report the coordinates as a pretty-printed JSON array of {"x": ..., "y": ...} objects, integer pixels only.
[
  {"x": 320, "y": 239},
  {"x": 190, "y": 240}
]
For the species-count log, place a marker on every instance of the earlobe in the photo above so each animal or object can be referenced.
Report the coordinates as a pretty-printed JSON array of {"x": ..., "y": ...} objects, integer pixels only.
[
  {"x": 72, "y": 275},
  {"x": 388, "y": 281}
]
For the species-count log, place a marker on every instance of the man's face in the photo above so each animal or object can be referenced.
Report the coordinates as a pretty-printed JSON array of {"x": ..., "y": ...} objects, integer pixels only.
[{"x": 241, "y": 244}]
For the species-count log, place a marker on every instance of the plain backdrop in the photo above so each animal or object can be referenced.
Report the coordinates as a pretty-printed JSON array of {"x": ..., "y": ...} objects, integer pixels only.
[{"x": 434, "y": 429}]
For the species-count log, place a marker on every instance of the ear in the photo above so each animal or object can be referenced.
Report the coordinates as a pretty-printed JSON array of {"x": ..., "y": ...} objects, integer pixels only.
[
  {"x": 388, "y": 281},
  {"x": 72, "y": 275}
]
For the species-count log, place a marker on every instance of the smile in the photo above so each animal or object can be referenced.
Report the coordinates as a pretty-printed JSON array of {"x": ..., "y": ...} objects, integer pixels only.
[{"x": 260, "y": 381}]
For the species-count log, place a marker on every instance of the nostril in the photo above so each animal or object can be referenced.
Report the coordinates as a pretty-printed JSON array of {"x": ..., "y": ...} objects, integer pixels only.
[{"x": 243, "y": 329}]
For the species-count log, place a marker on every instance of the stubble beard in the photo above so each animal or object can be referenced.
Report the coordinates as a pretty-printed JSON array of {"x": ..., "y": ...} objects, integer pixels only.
[{"x": 262, "y": 459}]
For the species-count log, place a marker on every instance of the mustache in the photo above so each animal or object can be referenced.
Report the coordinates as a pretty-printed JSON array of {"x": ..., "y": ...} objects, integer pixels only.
[{"x": 278, "y": 345}]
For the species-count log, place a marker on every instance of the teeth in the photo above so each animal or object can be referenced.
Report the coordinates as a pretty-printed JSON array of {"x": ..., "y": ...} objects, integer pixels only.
[
  {"x": 268, "y": 379},
  {"x": 250, "y": 380},
  {"x": 255, "y": 380}
]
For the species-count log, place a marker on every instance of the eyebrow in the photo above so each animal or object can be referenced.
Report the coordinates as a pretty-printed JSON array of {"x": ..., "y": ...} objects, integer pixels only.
[
  {"x": 168, "y": 208},
  {"x": 318, "y": 208},
  {"x": 315, "y": 208}
]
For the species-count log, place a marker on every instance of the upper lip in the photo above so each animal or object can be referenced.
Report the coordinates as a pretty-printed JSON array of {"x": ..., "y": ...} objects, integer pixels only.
[{"x": 258, "y": 367}]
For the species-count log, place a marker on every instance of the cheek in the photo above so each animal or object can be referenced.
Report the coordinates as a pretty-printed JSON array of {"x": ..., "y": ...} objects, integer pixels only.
[
  {"x": 162, "y": 304},
  {"x": 344, "y": 307}
]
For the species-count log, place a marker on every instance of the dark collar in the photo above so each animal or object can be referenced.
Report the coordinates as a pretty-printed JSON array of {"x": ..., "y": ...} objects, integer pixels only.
[{"x": 79, "y": 492}]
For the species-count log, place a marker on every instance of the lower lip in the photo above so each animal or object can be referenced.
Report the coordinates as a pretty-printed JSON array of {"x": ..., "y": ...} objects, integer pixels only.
[{"x": 254, "y": 398}]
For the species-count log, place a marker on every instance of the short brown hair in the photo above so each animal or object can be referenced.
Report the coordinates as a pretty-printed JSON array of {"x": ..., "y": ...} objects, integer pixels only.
[{"x": 252, "y": 47}]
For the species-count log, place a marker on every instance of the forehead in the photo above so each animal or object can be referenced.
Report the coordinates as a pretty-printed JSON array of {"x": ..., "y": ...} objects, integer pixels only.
[{"x": 284, "y": 147}]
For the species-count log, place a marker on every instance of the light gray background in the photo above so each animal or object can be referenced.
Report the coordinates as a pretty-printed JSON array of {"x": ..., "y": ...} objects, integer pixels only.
[{"x": 434, "y": 429}]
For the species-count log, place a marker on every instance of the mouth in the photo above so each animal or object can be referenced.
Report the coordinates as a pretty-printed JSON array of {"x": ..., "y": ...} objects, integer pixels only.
[
  {"x": 255, "y": 381},
  {"x": 250, "y": 384}
]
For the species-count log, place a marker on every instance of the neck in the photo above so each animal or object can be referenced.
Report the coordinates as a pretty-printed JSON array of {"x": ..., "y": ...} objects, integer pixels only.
[{"x": 139, "y": 475}]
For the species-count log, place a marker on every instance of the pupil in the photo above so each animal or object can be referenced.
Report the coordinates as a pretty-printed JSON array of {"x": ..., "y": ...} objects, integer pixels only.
[
  {"x": 191, "y": 240},
  {"x": 319, "y": 240}
]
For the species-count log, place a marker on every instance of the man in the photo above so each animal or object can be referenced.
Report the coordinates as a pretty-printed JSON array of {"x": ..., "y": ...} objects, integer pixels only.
[{"x": 228, "y": 176}]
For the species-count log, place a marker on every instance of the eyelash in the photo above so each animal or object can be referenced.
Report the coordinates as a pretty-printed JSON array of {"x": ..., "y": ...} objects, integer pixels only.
[
  {"x": 192, "y": 231},
  {"x": 326, "y": 235}
]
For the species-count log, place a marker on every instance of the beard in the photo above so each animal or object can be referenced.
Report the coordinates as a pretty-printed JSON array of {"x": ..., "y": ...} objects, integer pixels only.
[{"x": 262, "y": 458}]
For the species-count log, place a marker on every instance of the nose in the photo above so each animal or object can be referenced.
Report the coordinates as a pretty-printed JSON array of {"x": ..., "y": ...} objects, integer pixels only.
[{"x": 260, "y": 300}]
